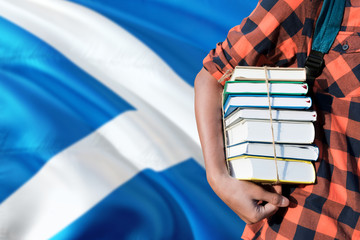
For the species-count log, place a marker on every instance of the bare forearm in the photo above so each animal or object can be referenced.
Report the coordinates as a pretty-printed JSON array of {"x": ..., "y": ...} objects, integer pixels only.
[{"x": 208, "y": 117}]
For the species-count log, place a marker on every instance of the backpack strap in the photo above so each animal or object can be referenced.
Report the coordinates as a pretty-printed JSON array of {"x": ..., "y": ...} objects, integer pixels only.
[{"x": 326, "y": 28}]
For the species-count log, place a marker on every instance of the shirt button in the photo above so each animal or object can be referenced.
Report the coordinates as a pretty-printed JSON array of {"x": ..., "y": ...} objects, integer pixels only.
[{"x": 345, "y": 47}]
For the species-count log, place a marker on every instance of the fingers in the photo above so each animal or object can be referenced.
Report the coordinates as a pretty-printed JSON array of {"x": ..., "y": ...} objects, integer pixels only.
[
  {"x": 275, "y": 199},
  {"x": 268, "y": 210},
  {"x": 270, "y": 194}
]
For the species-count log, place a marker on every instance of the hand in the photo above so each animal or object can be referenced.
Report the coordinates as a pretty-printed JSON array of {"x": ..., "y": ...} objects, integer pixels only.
[{"x": 245, "y": 198}]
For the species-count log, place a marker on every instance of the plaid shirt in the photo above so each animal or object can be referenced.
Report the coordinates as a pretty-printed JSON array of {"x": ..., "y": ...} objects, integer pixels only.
[{"x": 279, "y": 33}]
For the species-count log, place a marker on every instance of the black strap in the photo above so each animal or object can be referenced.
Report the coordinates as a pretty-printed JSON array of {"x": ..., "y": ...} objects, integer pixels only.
[
  {"x": 326, "y": 29},
  {"x": 314, "y": 65}
]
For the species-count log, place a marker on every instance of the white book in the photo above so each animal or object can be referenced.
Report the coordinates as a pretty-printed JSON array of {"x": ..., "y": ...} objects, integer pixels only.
[
  {"x": 264, "y": 170},
  {"x": 274, "y": 73},
  {"x": 250, "y": 130},
  {"x": 260, "y": 87},
  {"x": 287, "y": 151},
  {"x": 263, "y": 113},
  {"x": 261, "y": 101}
]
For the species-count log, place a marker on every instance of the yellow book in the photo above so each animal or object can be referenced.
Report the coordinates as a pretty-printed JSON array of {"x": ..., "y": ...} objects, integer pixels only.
[{"x": 262, "y": 169}]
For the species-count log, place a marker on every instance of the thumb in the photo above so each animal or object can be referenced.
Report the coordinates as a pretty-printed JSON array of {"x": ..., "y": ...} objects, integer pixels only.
[
  {"x": 276, "y": 199},
  {"x": 278, "y": 188}
]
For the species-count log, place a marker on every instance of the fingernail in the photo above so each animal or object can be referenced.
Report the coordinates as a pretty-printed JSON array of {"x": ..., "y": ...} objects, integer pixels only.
[{"x": 284, "y": 201}]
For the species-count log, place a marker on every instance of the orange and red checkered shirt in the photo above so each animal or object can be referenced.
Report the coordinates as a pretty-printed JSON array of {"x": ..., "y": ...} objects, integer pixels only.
[{"x": 279, "y": 33}]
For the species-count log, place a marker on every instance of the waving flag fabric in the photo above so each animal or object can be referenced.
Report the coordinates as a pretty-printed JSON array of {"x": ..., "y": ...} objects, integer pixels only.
[{"x": 97, "y": 131}]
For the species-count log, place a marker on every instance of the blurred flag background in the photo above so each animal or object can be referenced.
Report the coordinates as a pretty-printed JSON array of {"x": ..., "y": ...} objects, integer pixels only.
[{"x": 97, "y": 130}]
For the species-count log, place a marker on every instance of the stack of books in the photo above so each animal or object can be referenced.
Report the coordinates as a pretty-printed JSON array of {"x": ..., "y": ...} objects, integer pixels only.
[{"x": 248, "y": 129}]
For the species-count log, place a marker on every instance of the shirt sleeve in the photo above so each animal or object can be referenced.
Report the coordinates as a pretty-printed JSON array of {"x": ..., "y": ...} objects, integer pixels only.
[{"x": 271, "y": 35}]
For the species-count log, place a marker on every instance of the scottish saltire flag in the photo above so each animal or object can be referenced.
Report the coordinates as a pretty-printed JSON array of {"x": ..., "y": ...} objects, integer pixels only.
[{"x": 97, "y": 130}]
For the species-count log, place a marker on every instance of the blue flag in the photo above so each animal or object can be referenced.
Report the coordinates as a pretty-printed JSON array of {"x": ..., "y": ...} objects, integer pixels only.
[{"x": 97, "y": 130}]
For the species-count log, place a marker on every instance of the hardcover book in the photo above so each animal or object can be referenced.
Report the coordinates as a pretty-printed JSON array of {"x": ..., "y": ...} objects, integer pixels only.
[
  {"x": 263, "y": 113},
  {"x": 259, "y": 87},
  {"x": 249, "y": 130},
  {"x": 261, "y": 101},
  {"x": 272, "y": 73},
  {"x": 259, "y": 169},
  {"x": 289, "y": 151}
]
